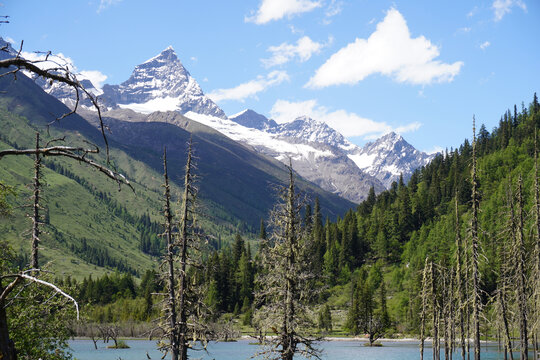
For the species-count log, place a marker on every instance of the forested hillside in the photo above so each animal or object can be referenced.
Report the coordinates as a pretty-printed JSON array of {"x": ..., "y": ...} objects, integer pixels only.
[{"x": 372, "y": 262}]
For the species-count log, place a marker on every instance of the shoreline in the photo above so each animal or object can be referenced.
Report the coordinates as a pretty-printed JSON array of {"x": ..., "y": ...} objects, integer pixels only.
[{"x": 329, "y": 339}]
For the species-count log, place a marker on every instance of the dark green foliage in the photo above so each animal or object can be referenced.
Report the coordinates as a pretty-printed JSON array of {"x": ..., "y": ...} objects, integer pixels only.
[
  {"x": 40, "y": 329},
  {"x": 109, "y": 288},
  {"x": 325, "y": 319},
  {"x": 230, "y": 274}
]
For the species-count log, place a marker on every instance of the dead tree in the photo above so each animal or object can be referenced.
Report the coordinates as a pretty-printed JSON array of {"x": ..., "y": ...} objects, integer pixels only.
[
  {"x": 424, "y": 295},
  {"x": 475, "y": 294},
  {"x": 169, "y": 260},
  {"x": 185, "y": 226},
  {"x": 521, "y": 276},
  {"x": 460, "y": 288},
  {"x": 536, "y": 261},
  {"x": 77, "y": 153},
  {"x": 505, "y": 283},
  {"x": 183, "y": 314},
  {"x": 60, "y": 74},
  {"x": 284, "y": 293}
]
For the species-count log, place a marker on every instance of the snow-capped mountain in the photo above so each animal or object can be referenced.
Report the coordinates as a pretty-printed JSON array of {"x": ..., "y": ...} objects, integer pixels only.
[
  {"x": 385, "y": 159},
  {"x": 251, "y": 119},
  {"x": 389, "y": 157},
  {"x": 318, "y": 153},
  {"x": 162, "y": 83},
  {"x": 306, "y": 129},
  {"x": 67, "y": 94},
  {"x": 302, "y": 142}
]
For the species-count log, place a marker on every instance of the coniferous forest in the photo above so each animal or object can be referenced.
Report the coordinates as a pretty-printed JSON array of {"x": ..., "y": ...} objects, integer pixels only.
[{"x": 452, "y": 255}]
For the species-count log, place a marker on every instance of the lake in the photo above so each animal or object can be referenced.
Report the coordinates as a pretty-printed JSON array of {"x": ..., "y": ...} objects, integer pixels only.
[{"x": 333, "y": 350}]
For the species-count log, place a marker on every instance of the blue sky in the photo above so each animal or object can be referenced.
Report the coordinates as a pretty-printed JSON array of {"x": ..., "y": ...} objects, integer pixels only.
[{"x": 422, "y": 68}]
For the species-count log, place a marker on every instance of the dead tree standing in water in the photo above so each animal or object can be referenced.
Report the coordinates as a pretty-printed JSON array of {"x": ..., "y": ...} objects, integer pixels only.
[
  {"x": 519, "y": 251},
  {"x": 536, "y": 262},
  {"x": 170, "y": 308},
  {"x": 284, "y": 289},
  {"x": 460, "y": 288},
  {"x": 178, "y": 306},
  {"x": 476, "y": 299}
]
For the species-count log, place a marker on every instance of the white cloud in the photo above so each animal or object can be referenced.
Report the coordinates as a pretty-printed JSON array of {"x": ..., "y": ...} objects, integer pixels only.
[
  {"x": 503, "y": 7},
  {"x": 295, "y": 30},
  {"x": 103, "y": 4},
  {"x": 389, "y": 51},
  {"x": 278, "y": 9},
  {"x": 96, "y": 77},
  {"x": 347, "y": 123},
  {"x": 60, "y": 61},
  {"x": 250, "y": 88},
  {"x": 303, "y": 50},
  {"x": 193, "y": 58},
  {"x": 334, "y": 8},
  {"x": 465, "y": 29},
  {"x": 484, "y": 45},
  {"x": 10, "y": 40}
]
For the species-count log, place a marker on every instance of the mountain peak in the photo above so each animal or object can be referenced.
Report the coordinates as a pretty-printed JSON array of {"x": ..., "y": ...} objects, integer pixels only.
[
  {"x": 167, "y": 55},
  {"x": 391, "y": 136},
  {"x": 254, "y": 120},
  {"x": 388, "y": 157},
  {"x": 162, "y": 83}
]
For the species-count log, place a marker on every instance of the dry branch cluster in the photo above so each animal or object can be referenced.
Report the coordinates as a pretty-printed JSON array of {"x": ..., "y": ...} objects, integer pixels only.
[
  {"x": 453, "y": 302},
  {"x": 182, "y": 322},
  {"x": 284, "y": 293},
  {"x": 18, "y": 281}
]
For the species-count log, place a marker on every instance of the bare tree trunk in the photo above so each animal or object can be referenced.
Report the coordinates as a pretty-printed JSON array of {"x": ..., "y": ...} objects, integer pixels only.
[
  {"x": 169, "y": 260},
  {"x": 467, "y": 302},
  {"x": 475, "y": 253},
  {"x": 522, "y": 280},
  {"x": 289, "y": 346},
  {"x": 536, "y": 277},
  {"x": 435, "y": 315},
  {"x": 184, "y": 219},
  {"x": 459, "y": 280},
  {"x": 424, "y": 309},
  {"x": 452, "y": 314},
  {"x": 447, "y": 313},
  {"x": 508, "y": 344},
  {"x": 34, "y": 264}
]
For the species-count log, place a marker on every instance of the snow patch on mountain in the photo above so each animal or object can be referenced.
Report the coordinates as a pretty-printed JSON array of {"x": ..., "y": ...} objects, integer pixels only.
[
  {"x": 262, "y": 141},
  {"x": 389, "y": 157}
]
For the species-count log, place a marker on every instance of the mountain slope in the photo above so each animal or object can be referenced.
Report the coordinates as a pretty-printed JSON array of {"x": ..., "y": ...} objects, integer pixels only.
[{"x": 88, "y": 216}]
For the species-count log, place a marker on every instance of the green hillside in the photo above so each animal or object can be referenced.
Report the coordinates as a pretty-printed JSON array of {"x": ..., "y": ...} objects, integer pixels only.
[{"x": 91, "y": 226}]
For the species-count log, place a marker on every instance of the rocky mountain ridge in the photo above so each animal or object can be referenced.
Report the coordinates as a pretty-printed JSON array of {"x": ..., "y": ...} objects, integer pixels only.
[{"x": 318, "y": 153}]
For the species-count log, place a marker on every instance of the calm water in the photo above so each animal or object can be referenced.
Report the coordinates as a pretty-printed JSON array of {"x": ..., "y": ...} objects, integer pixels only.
[{"x": 334, "y": 350}]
